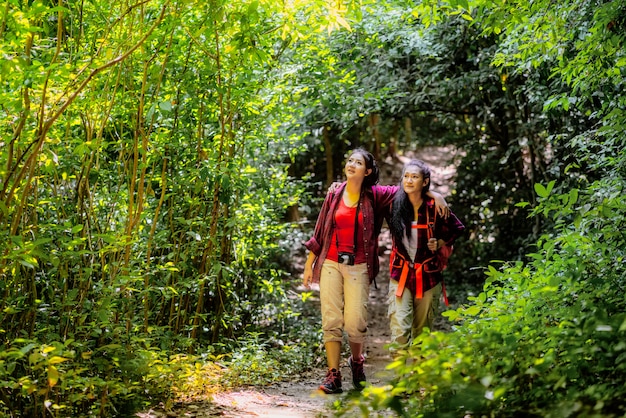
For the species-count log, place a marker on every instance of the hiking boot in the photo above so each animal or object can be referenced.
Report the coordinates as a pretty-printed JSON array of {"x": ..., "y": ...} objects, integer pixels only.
[
  {"x": 332, "y": 382},
  {"x": 358, "y": 373}
]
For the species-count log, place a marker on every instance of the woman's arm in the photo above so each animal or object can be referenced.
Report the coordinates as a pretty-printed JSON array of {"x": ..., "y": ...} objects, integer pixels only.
[
  {"x": 314, "y": 244},
  {"x": 308, "y": 270},
  {"x": 440, "y": 203}
]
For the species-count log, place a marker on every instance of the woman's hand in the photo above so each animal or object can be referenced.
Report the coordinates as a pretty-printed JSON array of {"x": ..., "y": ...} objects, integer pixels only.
[
  {"x": 433, "y": 244},
  {"x": 308, "y": 276},
  {"x": 441, "y": 206},
  {"x": 333, "y": 187}
]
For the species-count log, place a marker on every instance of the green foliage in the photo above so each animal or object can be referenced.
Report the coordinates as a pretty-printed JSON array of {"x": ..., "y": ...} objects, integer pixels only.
[
  {"x": 261, "y": 360},
  {"x": 413, "y": 85},
  {"x": 72, "y": 379},
  {"x": 146, "y": 166},
  {"x": 545, "y": 336},
  {"x": 143, "y": 182}
]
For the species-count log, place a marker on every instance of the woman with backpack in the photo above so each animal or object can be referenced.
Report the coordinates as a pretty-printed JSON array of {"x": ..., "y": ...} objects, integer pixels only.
[
  {"x": 343, "y": 259},
  {"x": 422, "y": 241}
]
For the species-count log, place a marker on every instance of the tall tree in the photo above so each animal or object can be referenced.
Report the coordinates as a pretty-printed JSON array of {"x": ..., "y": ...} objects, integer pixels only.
[{"x": 143, "y": 173}]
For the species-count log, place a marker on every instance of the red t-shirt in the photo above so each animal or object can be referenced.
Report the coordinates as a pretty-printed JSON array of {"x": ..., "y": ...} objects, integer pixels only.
[{"x": 343, "y": 234}]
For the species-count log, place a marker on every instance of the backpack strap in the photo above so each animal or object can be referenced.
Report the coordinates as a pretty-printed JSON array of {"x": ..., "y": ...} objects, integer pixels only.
[
  {"x": 431, "y": 233},
  {"x": 407, "y": 267},
  {"x": 431, "y": 219}
]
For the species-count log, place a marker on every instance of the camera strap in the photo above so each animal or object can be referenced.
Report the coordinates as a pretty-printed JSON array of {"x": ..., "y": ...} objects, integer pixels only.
[{"x": 356, "y": 226}]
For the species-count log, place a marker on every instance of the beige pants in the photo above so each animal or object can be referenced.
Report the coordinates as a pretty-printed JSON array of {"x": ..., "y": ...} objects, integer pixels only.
[
  {"x": 344, "y": 294},
  {"x": 408, "y": 315}
]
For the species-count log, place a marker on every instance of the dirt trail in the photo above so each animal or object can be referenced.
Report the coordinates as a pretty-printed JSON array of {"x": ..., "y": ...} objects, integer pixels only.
[{"x": 299, "y": 397}]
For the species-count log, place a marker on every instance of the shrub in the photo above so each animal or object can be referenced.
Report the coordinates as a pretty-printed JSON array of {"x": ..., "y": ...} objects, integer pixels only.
[{"x": 544, "y": 338}]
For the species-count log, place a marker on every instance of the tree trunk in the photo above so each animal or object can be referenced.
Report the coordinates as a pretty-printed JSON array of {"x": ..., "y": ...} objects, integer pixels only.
[
  {"x": 374, "y": 120},
  {"x": 408, "y": 130},
  {"x": 393, "y": 139},
  {"x": 328, "y": 149}
]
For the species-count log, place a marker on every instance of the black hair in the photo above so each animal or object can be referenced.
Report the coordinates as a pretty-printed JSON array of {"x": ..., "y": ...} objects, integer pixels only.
[
  {"x": 370, "y": 164},
  {"x": 402, "y": 213}
]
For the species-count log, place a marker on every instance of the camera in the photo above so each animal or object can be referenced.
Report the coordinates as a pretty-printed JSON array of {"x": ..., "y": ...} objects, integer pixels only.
[{"x": 345, "y": 258}]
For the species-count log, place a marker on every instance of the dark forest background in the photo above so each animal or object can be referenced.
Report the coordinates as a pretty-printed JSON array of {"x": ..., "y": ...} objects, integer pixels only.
[{"x": 161, "y": 162}]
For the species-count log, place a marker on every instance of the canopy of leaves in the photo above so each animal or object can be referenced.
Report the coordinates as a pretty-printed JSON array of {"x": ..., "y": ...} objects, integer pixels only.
[{"x": 143, "y": 176}]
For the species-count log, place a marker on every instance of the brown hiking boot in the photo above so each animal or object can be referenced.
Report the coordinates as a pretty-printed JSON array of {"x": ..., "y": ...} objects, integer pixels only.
[
  {"x": 332, "y": 382},
  {"x": 358, "y": 373}
]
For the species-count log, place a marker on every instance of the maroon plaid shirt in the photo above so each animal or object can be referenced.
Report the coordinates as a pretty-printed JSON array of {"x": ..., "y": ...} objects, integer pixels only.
[
  {"x": 446, "y": 229},
  {"x": 374, "y": 204}
]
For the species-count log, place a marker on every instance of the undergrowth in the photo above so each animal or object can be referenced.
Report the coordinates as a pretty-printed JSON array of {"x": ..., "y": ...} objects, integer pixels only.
[{"x": 544, "y": 338}]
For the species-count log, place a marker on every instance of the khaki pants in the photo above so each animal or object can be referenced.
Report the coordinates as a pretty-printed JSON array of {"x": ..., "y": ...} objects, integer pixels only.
[
  {"x": 408, "y": 315},
  {"x": 344, "y": 294}
]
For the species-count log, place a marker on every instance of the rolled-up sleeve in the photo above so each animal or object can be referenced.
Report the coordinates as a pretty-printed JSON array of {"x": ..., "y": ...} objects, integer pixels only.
[{"x": 314, "y": 244}]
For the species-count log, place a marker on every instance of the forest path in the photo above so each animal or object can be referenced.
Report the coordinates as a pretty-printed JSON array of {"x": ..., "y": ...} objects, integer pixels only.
[{"x": 299, "y": 397}]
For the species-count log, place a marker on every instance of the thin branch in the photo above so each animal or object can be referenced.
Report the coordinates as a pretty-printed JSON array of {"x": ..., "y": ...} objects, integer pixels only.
[{"x": 103, "y": 67}]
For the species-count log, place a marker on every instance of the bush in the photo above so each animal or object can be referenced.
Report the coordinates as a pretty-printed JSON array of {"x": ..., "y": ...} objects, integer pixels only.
[{"x": 544, "y": 338}]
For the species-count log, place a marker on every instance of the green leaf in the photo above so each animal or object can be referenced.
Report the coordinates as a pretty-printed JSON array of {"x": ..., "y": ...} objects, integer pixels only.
[
  {"x": 472, "y": 310},
  {"x": 622, "y": 327},
  {"x": 541, "y": 190},
  {"x": 53, "y": 375},
  {"x": 57, "y": 360},
  {"x": 451, "y": 315},
  {"x": 28, "y": 261},
  {"x": 573, "y": 197}
]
